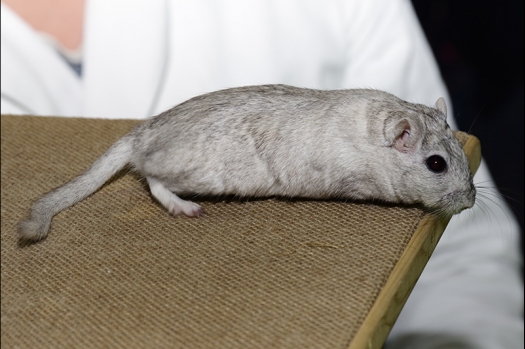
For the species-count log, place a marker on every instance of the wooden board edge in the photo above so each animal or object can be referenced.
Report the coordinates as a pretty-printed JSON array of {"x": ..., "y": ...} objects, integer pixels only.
[
  {"x": 391, "y": 299},
  {"x": 472, "y": 149}
]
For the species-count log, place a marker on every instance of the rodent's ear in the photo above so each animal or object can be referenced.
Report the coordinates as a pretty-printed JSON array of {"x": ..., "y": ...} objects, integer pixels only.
[
  {"x": 403, "y": 135},
  {"x": 442, "y": 107}
]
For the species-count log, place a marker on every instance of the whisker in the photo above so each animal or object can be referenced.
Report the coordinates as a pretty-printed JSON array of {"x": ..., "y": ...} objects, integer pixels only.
[
  {"x": 498, "y": 205},
  {"x": 499, "y": 195},
  {"x": 476, "y": 118},
  {"x": 483, "y": 207}
]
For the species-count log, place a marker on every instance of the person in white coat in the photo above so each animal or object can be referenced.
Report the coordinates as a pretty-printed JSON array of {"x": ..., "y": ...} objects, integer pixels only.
[{"x": 135, "y": 59}]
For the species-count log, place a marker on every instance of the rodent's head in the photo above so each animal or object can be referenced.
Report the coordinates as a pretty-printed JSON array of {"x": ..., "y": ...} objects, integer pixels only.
[{"x": 431, "y": 167}]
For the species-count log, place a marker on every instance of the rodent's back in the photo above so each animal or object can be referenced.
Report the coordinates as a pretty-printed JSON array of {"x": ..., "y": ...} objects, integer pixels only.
[{"x": 271, "y": 134}]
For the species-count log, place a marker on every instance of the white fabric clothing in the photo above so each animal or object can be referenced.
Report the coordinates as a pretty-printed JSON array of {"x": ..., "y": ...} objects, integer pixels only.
[{"x": 143, "y": 57}]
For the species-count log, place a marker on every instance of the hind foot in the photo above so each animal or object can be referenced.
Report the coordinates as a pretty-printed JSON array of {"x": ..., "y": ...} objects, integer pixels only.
[
  {"x": 189, "y": 208},
  {"x": 172, "y": 202}
]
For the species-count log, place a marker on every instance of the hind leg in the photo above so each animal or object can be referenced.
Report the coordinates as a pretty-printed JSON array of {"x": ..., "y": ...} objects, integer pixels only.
[{"x": 172, "y": 202}]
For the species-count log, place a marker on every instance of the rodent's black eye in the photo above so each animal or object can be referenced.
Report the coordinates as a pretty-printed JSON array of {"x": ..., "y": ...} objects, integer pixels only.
[{"x": 436, "y": 163}]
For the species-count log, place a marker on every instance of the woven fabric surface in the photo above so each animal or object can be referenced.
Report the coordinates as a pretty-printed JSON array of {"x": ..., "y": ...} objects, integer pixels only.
[{"x": 117, "y": 271}]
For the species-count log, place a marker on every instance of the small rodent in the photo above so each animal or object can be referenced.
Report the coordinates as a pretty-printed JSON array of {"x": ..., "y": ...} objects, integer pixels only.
[{"x": 278, "y": 140}]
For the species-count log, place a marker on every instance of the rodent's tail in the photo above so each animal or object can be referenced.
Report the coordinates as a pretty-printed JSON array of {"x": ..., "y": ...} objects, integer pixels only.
[{"x": 36, "y": 226}]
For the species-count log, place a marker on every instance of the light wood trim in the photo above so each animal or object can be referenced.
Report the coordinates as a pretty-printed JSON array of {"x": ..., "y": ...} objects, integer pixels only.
[{"x": 379, "y": 321}]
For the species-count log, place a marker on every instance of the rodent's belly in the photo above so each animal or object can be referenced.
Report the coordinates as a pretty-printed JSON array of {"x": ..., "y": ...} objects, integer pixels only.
[
  {"x": 246, "y": 187},
  {"x": 243, "y": 173},
  {"x": 257, "y": 182},
  {"x": 223, "y": 180},
  {"x": 302, "y": 184}
]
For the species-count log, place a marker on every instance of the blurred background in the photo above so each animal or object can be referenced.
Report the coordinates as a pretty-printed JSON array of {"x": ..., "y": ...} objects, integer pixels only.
[{"x": 479, "y": 48}]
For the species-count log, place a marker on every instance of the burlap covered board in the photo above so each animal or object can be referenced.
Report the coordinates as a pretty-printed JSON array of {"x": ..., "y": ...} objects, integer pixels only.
[{"x": 118, "y": 272}]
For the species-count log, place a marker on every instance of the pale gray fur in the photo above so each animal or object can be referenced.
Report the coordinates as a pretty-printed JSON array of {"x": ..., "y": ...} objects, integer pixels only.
[{"x": 278, "y": 140}]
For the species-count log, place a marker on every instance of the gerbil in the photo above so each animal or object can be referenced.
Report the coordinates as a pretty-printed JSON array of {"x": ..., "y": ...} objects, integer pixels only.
[{"x": 278, "y": 140}]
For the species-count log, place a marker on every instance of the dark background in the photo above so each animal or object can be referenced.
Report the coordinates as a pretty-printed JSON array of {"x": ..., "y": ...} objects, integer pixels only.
[{"x": 479, "y": 49}]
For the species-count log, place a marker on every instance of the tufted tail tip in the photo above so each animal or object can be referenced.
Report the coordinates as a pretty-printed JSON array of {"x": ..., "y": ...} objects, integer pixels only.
[{"x": 34, "y": 228}]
